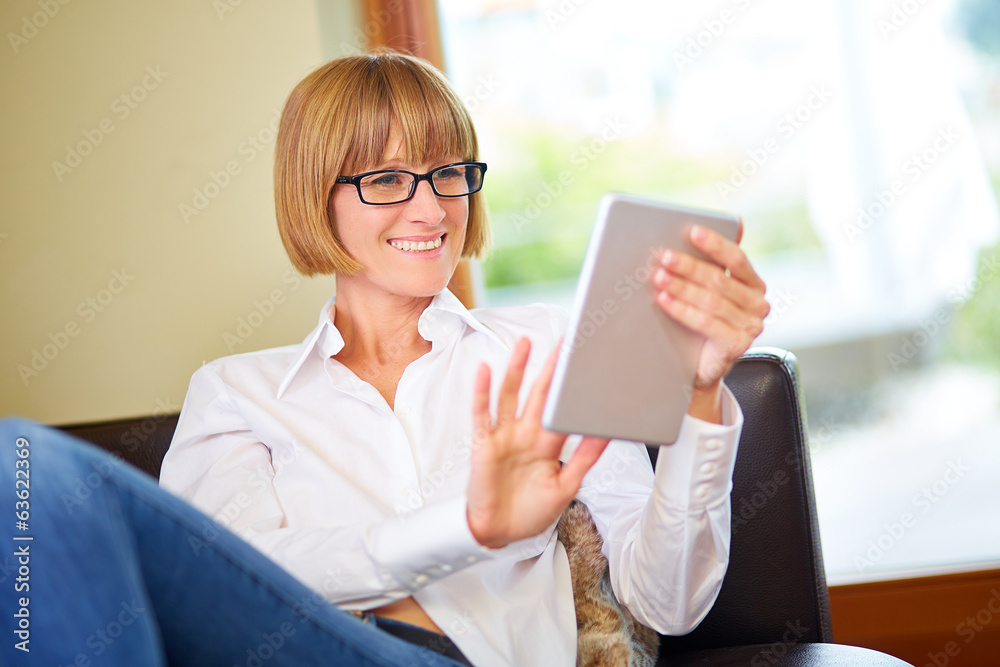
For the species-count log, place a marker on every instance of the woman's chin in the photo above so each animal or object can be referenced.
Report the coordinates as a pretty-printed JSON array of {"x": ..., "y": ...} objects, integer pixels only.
[
  {"x": 418, "y": 286},
  {"x": 428, "y": 288}
]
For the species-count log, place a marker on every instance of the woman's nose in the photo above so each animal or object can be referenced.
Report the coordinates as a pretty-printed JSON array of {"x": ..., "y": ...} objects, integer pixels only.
[{"x": 424, "y": 206}]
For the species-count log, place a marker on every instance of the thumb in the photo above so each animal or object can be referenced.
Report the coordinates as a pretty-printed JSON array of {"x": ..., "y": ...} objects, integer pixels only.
[{"x": 586, "y": 455}]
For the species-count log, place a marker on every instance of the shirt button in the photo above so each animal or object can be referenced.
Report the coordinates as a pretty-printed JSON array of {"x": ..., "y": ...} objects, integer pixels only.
[
  {"x": 701, "y": 492},
  {"x": 420, "y": 579},
  {"x": 707, "y": 468},
  {"x": 713, "y": 444},
  {"x": 471, "y": 559},
  {"x": 445, "y": 567}
]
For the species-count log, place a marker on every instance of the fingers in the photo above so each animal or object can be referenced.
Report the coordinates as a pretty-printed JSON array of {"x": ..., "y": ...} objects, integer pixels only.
[
  {"x": 583, "y": 459},
  {"x": 507, "y": 400},
  {"x": 722, "y": 299},
  {"x": 481, "y": 419},
  {"x": 540, "y": 389},
  {"x": 699, "y": 305},
  {"x": 726, "y": 254},
  {"x": 731, "y": 291}
]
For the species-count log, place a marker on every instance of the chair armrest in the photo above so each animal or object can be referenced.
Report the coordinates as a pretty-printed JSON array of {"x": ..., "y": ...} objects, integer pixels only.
[{"x": 787, "y": 655}]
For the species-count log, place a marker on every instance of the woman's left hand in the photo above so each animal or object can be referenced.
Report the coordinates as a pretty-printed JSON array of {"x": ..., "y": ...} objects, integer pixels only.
[
  {"x": 724, "y": 302},
  {"x": 517, "y": 485}
]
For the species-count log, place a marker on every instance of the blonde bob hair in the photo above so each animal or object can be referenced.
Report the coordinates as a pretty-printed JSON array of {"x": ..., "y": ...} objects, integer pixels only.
[{"x": 337, "y": 121}]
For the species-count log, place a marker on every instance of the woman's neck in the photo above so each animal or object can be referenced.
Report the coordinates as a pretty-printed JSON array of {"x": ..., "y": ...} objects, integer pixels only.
[{"x": 379, "y": 329}]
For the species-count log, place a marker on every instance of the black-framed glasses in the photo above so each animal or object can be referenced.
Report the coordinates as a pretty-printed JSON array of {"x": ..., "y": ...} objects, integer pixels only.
[{"x": 394, "y": 186}]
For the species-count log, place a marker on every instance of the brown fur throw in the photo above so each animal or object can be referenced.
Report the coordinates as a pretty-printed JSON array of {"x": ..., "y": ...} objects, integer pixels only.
[{"x": 607, "y": 634}]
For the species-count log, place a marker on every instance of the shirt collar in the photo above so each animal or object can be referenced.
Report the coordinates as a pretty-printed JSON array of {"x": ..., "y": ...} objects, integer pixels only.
[{"x": 445, "y": 315}]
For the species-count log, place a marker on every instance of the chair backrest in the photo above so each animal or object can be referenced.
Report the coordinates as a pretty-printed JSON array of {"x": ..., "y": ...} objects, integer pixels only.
[
  {"x": 142, "y": 441},
  {"x": 775, "y": 586}
]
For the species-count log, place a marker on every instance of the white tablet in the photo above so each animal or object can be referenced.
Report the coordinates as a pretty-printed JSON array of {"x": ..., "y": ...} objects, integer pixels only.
[{"x": 626, "y": 369}]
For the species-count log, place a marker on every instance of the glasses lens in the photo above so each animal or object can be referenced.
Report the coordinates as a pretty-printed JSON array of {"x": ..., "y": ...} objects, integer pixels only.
[
  {"x": 457, "y": 180},
  {"x": 386, "y": 187}
]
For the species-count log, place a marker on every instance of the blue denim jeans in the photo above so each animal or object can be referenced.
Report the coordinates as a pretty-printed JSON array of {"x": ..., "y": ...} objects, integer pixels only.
[{"x": 99, "y": 566}]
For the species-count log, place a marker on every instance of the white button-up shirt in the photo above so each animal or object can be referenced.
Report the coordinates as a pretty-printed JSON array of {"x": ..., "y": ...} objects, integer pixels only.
[{"x": 366, "y": 504}]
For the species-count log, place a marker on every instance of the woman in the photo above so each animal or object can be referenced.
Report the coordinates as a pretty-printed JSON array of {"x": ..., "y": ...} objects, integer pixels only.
[
  {"x": 370, "y": 450},
  {"x": 385, "y": 465}
]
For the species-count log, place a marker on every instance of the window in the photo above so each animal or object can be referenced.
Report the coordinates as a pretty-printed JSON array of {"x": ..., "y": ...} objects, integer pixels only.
[{"x": 861, "y": 144}]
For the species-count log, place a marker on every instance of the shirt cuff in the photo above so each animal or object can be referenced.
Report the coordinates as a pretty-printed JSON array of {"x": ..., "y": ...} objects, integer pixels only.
[
  {"x": 426, "y": 545},
  {"x": 697, "y": 470}
]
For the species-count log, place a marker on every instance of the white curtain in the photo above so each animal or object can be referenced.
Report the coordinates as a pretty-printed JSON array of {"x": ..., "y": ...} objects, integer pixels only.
[{"x": 896, "y": 184}]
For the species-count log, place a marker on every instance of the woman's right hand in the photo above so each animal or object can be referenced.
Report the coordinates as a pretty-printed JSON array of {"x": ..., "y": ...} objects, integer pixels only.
[{"x": 517, "y": 486}]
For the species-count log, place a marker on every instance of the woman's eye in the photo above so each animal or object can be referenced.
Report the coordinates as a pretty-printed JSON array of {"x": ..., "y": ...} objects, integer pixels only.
[
  {"x": 386, "y": 180},
  {"x": 448, "y": 173}
]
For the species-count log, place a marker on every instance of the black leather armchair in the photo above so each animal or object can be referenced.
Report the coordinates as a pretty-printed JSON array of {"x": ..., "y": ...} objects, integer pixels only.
[{"x": 773, "y": 609}]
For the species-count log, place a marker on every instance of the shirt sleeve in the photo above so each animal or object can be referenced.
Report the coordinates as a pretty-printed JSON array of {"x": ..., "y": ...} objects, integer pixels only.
[
  {"x": 666, "y": 534},
  {"x": 218, "y": 464}
]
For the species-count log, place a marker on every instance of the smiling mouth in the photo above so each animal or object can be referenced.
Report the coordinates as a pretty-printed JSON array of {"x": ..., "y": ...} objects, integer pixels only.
[{"x": 416, "y": 246}]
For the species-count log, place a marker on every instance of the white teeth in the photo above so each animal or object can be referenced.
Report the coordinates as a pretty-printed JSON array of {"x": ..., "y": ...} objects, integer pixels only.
[{"x": 417, "y": 246}]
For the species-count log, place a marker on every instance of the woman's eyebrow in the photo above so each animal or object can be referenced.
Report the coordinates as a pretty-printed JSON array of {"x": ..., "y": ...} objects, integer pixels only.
[
  {"x": 394, "y": 164},
  {"x": 404, "y": 165}
]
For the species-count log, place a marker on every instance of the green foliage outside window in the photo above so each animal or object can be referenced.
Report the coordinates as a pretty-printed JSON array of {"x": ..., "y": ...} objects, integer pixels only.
[{"x": 543, "y": 195}]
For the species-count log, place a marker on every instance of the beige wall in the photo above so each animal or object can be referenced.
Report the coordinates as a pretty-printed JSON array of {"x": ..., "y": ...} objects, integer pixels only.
[{"x": 112, "y": 293}]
